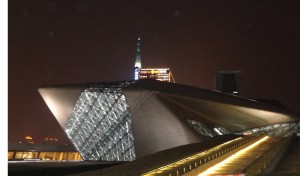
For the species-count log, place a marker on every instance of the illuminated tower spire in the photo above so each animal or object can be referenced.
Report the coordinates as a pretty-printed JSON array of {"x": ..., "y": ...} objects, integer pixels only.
[{"x": 138, "y": 62}]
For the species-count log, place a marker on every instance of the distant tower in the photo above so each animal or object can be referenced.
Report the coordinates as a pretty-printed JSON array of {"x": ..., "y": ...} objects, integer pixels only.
[
  {"x": 226, "y": 82},
  {"x": 160, "y": 74},
  {"x": 138, "y": 62}
]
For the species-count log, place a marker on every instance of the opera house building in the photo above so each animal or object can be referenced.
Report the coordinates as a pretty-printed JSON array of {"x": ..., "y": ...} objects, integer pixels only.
[{"x": 124, "y": 121}]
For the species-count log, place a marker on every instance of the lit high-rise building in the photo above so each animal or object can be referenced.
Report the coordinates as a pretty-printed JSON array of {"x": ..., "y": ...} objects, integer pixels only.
[{"x": 160, "y": 74}]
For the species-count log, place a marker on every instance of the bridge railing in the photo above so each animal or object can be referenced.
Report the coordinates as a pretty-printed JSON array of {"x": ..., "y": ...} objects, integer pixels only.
[
  {"x": 193, "y": 162},
  {"x": 263, "y": 162}
]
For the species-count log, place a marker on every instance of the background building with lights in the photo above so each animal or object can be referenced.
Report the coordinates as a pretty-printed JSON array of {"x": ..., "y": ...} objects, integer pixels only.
[
  {"x": 160, "y": 74},
  {"x": 47, "y": 149},
  {"x": 42, "y": 151}
]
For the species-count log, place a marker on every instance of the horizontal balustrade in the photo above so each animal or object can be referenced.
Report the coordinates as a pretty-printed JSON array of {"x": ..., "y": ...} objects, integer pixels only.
[{"x": 189, "y": 163}]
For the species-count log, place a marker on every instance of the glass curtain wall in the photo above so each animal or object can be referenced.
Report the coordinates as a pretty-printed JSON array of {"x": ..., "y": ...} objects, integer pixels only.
[{"x": 100, "y": 125}]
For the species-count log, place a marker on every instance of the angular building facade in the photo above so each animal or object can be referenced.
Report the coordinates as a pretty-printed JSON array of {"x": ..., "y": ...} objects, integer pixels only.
[{"x": 123, "y": 121}]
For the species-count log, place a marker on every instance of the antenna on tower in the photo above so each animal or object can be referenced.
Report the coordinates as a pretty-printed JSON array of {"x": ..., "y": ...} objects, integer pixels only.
[{"x": 138, "y": 61}]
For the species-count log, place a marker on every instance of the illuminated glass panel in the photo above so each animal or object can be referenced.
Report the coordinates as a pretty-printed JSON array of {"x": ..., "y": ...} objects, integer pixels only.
[
  {"x": 201, "y": 128},
  {"x": 222, "y": 130},
  {"x": 100, "y": 125},
  {"x": 204, "y": 130}
]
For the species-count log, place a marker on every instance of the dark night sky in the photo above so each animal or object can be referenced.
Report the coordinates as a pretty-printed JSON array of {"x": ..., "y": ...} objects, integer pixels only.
[{"x": 54, "y": 42}]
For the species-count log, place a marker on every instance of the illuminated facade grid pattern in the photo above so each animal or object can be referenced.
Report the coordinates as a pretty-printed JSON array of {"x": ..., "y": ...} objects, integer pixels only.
[
  {"x": 204, "y": 130},
  {"x": 282, "y": 130},
  {"x": 100, "y": 125}
]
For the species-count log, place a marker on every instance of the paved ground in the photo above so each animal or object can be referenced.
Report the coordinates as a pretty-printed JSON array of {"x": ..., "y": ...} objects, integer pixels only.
[{"x": 290, "y": 162}]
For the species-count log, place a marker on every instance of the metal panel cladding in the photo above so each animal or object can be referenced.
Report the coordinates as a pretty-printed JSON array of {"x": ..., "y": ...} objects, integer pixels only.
[{"x": 100, "y": 125}]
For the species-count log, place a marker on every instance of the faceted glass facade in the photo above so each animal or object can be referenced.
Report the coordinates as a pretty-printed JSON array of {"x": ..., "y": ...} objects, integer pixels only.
[
  {"x": 282, "y": 130},
  {"x": 204, "y": 130},
  {"x": 100, "y": 125}
]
